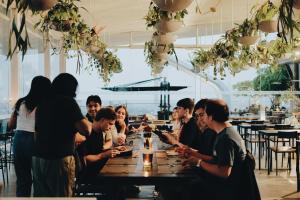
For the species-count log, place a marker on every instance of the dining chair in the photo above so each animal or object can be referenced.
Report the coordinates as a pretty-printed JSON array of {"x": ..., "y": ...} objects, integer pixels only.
[{"x": 289, "y": 149}]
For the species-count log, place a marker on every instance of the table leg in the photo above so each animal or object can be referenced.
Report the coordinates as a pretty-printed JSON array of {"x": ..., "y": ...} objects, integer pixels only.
[
  {"x": 259, "y": 152},
  {"x": 297, "y": 166}
]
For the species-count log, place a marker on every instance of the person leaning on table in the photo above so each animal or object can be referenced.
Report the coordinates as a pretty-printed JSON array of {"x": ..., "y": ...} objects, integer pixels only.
[{"x": 221, "y": 173}]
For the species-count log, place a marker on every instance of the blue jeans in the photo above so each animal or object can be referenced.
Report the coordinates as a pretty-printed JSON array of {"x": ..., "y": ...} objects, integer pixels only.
[{"x": 23, "y": 149}]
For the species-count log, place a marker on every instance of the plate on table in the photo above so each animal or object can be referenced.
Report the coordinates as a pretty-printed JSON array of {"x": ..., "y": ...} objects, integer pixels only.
[{"x": 124, "y": 150}]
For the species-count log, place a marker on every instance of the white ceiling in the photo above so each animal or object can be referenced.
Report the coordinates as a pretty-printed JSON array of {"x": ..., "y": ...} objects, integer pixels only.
[{"x": 123, "y": 19}]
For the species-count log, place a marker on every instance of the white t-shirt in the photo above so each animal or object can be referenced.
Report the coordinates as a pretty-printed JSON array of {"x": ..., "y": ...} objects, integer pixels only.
[{"x": 25, "y": 119}]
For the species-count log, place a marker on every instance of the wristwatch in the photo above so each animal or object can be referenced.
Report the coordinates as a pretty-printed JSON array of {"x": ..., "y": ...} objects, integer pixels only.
[{"x": 199, "y": 163}]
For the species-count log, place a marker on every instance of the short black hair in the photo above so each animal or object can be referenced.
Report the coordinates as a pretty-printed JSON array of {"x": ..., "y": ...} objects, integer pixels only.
[
  {"x": 186, "y": 103},
  {"x": 218, "y": 109},
  {"x": 64, "y": 84},
  {"x": 106, "y": 113},
  {"x": 200, "y": 104},
  {"x": 94, "y": 98}
]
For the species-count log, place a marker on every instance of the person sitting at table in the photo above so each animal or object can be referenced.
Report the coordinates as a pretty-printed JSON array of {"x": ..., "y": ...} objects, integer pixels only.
[
  {"x": 120, "y": 129},
  {"x": 93, "y": 105},
  {"x": 95, "y": 155},
  {"x": 175, "y": 121},
  {"x": 189, "y": 130},
  {"x": 221, "y": 173},
  {"x": 206, "y": 137}
]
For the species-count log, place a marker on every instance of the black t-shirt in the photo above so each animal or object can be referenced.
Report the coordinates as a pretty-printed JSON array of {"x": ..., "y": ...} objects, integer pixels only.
[
  {"x": 189, "y": 133},
  {"x": 93, "y": 146},
  {"x": 205, "y": 141},
  {"x": 229, "y": 150},
  {"x": 55, "y": 127},
  {"x": 89, "y": 118}
]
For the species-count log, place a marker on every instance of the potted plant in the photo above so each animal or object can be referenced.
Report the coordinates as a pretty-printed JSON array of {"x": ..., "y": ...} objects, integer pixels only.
[
  {"x": 164, "y": 21},
  {"x": 264, "y": 17},
  {"x": 63, "y": 17},
  {"x": 20, "y": 32},
  {"x": 93, "y": 43},
  {"x": 286, "y": 22},
  {"x": 248, "y": 32},
  {"x": 106, "y": 66},
  {"x": 202, "y": 60},
  {"x": 172, "y": 5}
]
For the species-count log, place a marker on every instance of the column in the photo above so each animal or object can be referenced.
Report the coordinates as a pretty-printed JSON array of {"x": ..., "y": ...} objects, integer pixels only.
[{"x": 47, "y": 61}]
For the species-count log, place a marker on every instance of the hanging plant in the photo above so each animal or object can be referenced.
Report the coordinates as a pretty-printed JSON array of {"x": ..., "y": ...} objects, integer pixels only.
[
  {"x": 286, "y": 22},
  {"x": 264, "y": 17},
  {"x": 202, "y": 60},
  {"x": 248, "y": 32},
  {"x": 63, "y": 17},
  {"x": 155, "y": 15},
  {"x": 106, "y": 65}
]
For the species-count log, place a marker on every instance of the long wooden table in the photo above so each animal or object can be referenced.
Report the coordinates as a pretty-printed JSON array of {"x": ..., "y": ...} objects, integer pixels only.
[{"x": 165, "y": 170}]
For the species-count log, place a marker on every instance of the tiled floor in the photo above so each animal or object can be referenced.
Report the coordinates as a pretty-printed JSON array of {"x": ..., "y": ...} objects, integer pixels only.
[{"x": 271, "y": 186}]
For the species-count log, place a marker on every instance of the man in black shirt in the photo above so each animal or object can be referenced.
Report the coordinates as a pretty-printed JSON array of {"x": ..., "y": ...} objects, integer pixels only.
[
  {"x": 57, "y": 121},
  {"x": 94, "y": 154},
  {"x": 221, "y": 177},
  {"x": 189, "y": 131}
]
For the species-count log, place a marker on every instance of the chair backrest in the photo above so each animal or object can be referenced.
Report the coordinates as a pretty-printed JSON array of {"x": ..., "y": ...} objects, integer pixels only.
[
  {"x": 287, "y": 134},
  {"x": 283, "y": 126},
  {"x": 256, "y": 122},
  {"x": 256, "y": 127},
  {"x": 237, "y": 122}
]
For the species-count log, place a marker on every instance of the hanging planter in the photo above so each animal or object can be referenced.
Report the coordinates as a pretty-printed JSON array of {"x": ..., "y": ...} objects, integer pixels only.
[
  {"x": 164, "y": 39},
  {"x": 61, "y": 26},
  {"x": 167, "y": 26},
  {"x": 248, "y": 40},
  {"x": 39, "y": 5},
  {"x": 172, "y": 5},
  {"x": 296, "y": 4},
  {"x": 268, "y": 26}
]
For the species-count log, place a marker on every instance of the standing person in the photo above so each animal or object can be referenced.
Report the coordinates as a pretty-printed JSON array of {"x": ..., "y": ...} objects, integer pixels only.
[
  {"x": 57, "y": 121},
  {"x": 93, "y": 105},
  {"x": 23, "y": 120},
  {"x": 120, "y": 129},
  {"x": 224, "y": 169}
]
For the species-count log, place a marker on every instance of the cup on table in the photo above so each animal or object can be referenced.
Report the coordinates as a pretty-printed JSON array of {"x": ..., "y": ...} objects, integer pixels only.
[
  {"x": 147, "y": 140},
  {"x": 147, "y": 157}
]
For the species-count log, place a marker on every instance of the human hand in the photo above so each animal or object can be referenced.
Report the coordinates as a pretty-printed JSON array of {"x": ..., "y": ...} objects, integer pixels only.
[
  {"x": 121, "y": 139},
  {"x": 111, "y": 153},
  {"x": 191, "y": 161},
  {"x": 79, "y": 139}
]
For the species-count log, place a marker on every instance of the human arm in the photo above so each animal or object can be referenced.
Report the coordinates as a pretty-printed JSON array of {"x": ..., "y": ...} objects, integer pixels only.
[
  {"x": 187, "y": 152},
  {"x": 106, "y": 154},
  {"x": 84, "y": 126},
  {"x": 12, "y": 123},
  {"x": 79, "y": 138},
  {"x": 217, "y": 170}
]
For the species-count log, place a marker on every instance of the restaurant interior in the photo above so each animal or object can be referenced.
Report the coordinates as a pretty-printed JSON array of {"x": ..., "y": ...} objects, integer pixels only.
[{"x": 148, "y": 55}]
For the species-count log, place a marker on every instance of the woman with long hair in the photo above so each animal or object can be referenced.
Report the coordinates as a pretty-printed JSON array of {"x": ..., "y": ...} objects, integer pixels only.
[
  {"x": 121, "y": 126},
  {"x": 23, "y": 121}
]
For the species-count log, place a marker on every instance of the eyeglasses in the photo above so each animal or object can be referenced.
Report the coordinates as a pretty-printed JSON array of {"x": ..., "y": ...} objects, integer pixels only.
[{"x": 197, "y": 115}]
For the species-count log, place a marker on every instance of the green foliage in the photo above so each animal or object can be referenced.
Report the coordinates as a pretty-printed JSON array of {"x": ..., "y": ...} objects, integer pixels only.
[
  {"x": 247, "y": 28},
  {"x": 266, "y": 11},
  {"x": 286, "y": 22},
  {"x": 154, "y": 15},
  {"x": 244, "y": 86},
  {"x": 273, "y": 79}
]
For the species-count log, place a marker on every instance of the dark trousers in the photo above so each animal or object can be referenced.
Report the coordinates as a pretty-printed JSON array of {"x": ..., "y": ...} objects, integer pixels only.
[{"x": 22, "y": 149}]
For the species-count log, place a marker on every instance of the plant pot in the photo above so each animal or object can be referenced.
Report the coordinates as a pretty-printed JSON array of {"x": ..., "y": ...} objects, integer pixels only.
[
  {"x": 157, "y": 69},
  {"x": 296, "y": 4},
  {"x": 248, "y": 40},
  {"x": 161, "y": 48},
  {"x": 38, "y": 5},
  {"x": 172, "y": 5},
  {"x": 164, "y": 38},
  {"x": 62, "y": 26},
  {"x": 167, "y": 26},
  {"x": 161, "y": 56},
  {"x": 268, "y": 26}
]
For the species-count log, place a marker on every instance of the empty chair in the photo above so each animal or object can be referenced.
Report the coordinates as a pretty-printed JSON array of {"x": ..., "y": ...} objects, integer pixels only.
[{"x": 290, "y": 148}]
